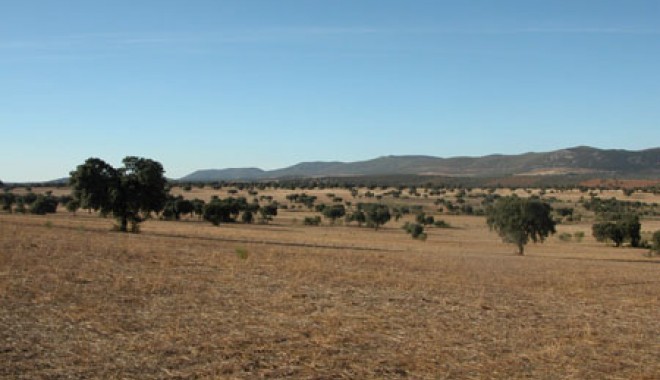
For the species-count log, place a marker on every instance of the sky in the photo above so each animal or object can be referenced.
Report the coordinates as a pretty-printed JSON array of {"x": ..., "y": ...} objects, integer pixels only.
[{"x": 198, "y": 84}]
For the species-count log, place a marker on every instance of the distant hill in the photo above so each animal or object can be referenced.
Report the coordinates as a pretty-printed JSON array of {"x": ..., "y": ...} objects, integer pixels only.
[
  {"x": 573, "y": 161},
  {"x": 224, "y": 174}
]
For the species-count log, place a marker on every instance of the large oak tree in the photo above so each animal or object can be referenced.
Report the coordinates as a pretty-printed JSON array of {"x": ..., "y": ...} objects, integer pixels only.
[
  {"x": 129, "y": 193},
  {"x": 517, "y": 220}
]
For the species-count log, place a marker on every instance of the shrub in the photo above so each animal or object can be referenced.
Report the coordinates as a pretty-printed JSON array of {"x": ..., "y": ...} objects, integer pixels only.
[
  {"x": 441, "y": 224},
  {"x": 579, "y": 236},
  {"x": 44, "y": 205},
  {"x": 565, "y": 236},
  {"x": 424, "y": 219},
  {"x": 655, "y": 243},
  {"x": 312, "y": 220},
  {"x": 415, "y": 230},
  {"x": 241, "y": 253}
]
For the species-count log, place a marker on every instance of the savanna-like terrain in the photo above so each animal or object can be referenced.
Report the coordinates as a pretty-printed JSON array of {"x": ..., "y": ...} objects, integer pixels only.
[{"x": 186, "y": 299}]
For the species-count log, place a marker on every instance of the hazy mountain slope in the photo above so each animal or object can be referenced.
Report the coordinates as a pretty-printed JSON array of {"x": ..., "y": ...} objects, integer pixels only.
[{"x": 224, "y": 174}]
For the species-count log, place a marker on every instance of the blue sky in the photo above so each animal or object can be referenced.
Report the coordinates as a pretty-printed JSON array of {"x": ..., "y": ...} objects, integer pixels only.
[{"x": 210, "y": 84}]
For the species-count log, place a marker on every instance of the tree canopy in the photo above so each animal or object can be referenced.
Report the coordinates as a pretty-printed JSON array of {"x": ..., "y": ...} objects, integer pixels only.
[
  {"x": 622, "y": 227},
  {"x": 518, "y": 220},
  {"x": 376, "y": 214},
  {"x": 129, "y": 193}
]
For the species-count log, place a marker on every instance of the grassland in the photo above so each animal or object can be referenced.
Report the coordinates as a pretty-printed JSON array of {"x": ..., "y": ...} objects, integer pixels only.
[{"x": 190, "y": 300}]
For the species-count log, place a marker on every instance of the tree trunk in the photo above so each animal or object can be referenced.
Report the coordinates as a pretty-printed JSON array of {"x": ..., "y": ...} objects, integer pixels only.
[
  {"x": 521, "y": 249},
  {"x": 124, "y": 224}
]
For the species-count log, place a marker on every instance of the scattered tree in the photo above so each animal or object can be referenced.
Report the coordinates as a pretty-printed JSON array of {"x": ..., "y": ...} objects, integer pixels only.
[
  {"x": 267, "y": 212},
  {"x": 129, "y": 193},
  {"x": 518, "y": 220},
  {"x": 415, "y": 230},
  {"x": 334, "y": 212},
  {"x": 72, "y": 206},
  {"x": 357, "y": 216},
  {"x": 8, "y": 199},
  {"x": 623, "y": 227},
  {"x": 247, "y": 217},
  {"x": 376, "y": 214},
  {"x": 45, "y": 204},
  {"x": 224, "y": 210},
  {"x": 424, "y": 219}
]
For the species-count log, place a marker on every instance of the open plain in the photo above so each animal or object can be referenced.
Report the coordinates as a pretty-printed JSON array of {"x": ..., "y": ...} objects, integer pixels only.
[{"x": 187, "y": 299}]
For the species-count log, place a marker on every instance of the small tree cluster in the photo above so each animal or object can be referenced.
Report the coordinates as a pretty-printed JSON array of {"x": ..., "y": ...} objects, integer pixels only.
[
  {"x": 227, "y": 210},
  {"x": 177, "y": 206},
  {"x": 376, "y": 214},
  {"x": 623, "y": 228},
  {"x": 307, "y": 200}
]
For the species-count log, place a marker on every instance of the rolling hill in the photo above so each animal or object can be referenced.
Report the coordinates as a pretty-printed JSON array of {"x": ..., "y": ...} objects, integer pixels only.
[{"x": 579, "y": 160}]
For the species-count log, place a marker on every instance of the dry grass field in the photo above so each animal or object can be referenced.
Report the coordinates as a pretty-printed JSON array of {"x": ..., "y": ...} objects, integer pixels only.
[{"x": 189, "y": 300}]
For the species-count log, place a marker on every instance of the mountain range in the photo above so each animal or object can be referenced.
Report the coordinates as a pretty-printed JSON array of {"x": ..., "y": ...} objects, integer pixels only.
[{"x": 581, "y": 160}]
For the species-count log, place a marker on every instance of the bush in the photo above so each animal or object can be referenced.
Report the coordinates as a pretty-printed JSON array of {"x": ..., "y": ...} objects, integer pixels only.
[
  {"x": 424, "y": 219},
  {"x": 565, "y": 236},
  {"x": 44, "y": 205},
  {"x": 312, "y": 221},
  {"x": 655, "y": 243},
  {"x": 415, "y": 230},
  {"x": 441, "y": 224},
  {"x": 579, "y": 236}
]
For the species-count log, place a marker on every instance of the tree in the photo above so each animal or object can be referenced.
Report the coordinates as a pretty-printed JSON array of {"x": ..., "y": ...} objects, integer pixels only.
[
  {"x": 376, "y": 214},
  {"x": 7, "y": 200},
  {"x": 198, "y": 206},
  {"x": 176, "y": 206},
  {"x": 424, "y": 219},
  {"x": 224, "y": 210},
  {"x": 29, "y": 198},
  {"x": 247, "y": 217},
  {"x": 45, "y": 204},
  {"x": 608, "y": 231},
  {"x": 622, "y": 227},
  {"x": 184, "y": 206},
  {"x": 334, "y": 212},
  {"x": 129, "y": 193},
  {"x": 72, "y": 206},
  {"x": 357, "y": 216},
  {"x": 518, "y": 220},
  {"x": 415, "y": 230},
  {"x": 267, "y": 212}
]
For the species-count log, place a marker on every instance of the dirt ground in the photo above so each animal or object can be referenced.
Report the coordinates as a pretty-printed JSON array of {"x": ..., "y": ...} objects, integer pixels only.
[{"x": 190, "y": 300}]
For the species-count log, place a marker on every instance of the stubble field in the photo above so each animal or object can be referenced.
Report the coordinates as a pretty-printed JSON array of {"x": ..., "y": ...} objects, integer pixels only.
[{"x": 190, "y": 300}]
